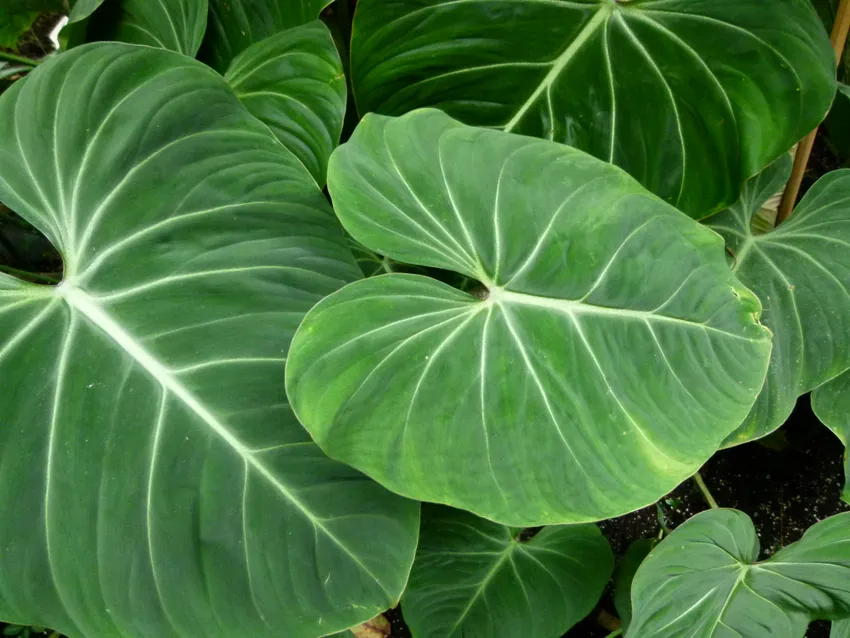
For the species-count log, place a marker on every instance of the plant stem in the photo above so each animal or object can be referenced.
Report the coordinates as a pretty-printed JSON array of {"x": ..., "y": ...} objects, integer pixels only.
[
  {"x": 616, "y": 632},
  {"x": 18, "y": 59},
  {"x": 26, "y": 273},
  {"x": 704, "y": 489},
  {"x": 801, "y": 158}
]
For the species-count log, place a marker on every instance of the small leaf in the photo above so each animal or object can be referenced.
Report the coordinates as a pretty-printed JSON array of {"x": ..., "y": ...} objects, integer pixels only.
[
  {"x": 237, "y": 24},
  {"x": 176, "y": 25},
  {"x": 801, "y": 273},
  {"x": 831, "y": 404},
  {"x": 81, "y": 9},
  {"x": 472, "y": 577},
  {"x": 293, "y": 82},
  {"x": 703, "y": 581}
]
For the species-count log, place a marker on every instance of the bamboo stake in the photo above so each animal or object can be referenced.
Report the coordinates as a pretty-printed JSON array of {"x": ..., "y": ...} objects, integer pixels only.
[{"x": 801, "y": 159}]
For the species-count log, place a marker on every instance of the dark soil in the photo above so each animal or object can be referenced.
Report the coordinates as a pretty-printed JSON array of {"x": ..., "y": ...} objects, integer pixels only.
[
  {"x": 35, "y": 43},
  {"x": 399, "y": 628}
]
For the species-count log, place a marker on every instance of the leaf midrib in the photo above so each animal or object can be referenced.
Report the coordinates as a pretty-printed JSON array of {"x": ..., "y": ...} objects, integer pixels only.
[
  {"x": 497, "y": 565},
  {"x": 81, "y": 302},
  {"x": 599, "y": 19},
  {"x": 573, "y": 307}
]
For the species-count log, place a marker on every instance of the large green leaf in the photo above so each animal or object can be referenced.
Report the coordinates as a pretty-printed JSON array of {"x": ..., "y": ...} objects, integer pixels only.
[
  {"x": 472, "y": 577},
  {"x": 293, "y": 82},
  {"x": 609, "y": 355},
  {"x": 840, "y": 629},
  {"x": 237, "y": 24},
  {"x": 703, "y": 581},
  {"x": 153, "y": 480},
  {"x": 691, "y": 97},
  {"x": 831, "y": 404},
  {"x": 801, "y": 273}
]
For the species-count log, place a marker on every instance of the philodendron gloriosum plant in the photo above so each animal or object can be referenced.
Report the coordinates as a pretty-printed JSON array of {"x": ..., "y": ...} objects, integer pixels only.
[{"x": 220, "y": 427}]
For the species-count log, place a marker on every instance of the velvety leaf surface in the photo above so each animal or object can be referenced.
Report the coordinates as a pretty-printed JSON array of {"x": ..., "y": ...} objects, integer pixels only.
[
  {"x": 609, "y": 355},
  {"x": 831, "y": 404},
  {"x": 237, "y": 24},
  {"x": 154, "y": 480},
  {"x": 293, "y": 82},
  {"x": 691, "y": 97},
  {"x": 801, "y": 273},
  {"x": 473, "y": 577},
  {"x": 703, "y": 581},
  {"x": 840, "y": 629}
]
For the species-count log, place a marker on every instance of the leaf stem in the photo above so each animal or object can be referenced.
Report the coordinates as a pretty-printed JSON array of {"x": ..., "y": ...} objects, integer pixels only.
[
  {"x": 616, "y": 632},
  {"x": 19, "y": 59},
  {"x": 704, "y": 489},
  {"x": 25, "y": 273}
]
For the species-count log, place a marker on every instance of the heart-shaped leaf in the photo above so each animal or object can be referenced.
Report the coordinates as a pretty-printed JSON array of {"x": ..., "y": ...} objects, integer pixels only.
[
  {"x": 831, "y": 404},
  {"x": 293, "y": 82},
  {"x": 609, "y": 355},
  {"x": 473, "y": 577},
  {"x": 154, "y": 481},
  {"x": 237, "y": 24},
  {"x": 691, "y": 97},
  {"x": 703, "y": 581},
  {"x": 801, "y": 273}
]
